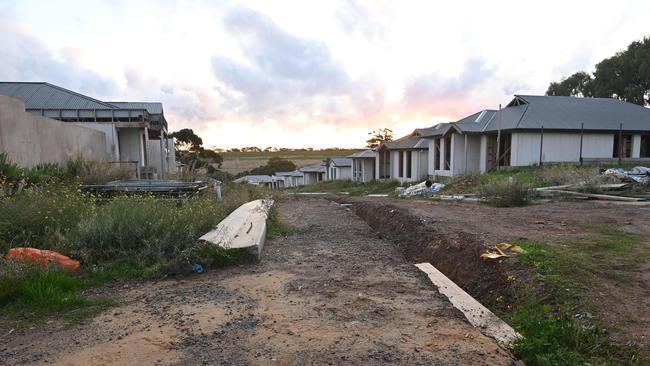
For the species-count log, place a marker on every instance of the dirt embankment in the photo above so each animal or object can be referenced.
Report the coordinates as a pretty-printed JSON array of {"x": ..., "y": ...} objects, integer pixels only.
[
  {"x": 455, "y": 253},
  {"x": 451, "y": 236}
]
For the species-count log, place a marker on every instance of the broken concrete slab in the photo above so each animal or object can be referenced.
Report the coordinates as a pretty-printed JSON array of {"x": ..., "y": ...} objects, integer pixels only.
[
  {"x": 477, "y": 314},
  {"x": 243, "y": 228}
]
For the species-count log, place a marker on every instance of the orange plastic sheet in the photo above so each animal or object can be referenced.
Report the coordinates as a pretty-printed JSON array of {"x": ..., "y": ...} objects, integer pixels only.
[{"x": 43, "y": 257}]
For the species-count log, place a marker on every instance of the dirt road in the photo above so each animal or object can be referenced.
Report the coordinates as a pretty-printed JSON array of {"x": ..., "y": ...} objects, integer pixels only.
[{"x": 332, "y": 293}]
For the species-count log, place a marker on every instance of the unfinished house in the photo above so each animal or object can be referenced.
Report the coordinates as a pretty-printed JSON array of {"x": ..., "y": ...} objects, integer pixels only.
[
  {"x": 533, "y": 130},
  {"x": 364, "y": 166},
  {"x": 291, "y": 179},
  {"x": 313, "y": 173},
  {"x": 404, "y": 159},
  {"x": 136, "y": 133},
  {"x": 338, "y": 169}
]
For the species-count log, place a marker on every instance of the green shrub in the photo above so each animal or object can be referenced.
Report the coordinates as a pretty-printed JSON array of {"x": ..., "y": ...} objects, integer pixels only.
[
  {"x": 46, "y": 172},
  {"x": 41, "y": 216},
  {"x": 507, "y": 194},
  {"x": 8, "y": 170},
  {"x": 161, "y": 234}
]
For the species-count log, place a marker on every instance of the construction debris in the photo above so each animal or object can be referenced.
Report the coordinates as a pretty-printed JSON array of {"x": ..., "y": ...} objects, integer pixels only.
[
  {"x": 423, "y": 189},
  {"x": 167, "y": 188},
  {"x": 243, "y": 228},
  {"x": 638, "y": 174},
  {"x": 501, "y": 250}
]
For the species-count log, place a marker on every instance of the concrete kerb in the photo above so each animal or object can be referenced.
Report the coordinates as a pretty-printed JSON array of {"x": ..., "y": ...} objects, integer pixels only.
[
  {"x": 243, "y": 228},
  {"x": 477, "y": 314}
]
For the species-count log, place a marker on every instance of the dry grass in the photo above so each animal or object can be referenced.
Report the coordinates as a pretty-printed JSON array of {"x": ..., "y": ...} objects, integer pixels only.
[{"x": 237, "y": 162}]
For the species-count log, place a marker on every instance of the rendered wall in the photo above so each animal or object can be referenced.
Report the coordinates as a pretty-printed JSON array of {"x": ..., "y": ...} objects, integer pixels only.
[
  {"x": 423, "y": 164},
  {"x": 29, "y": 139},
  {"x": 368, "y": 169},
  {"x": 109, "y": 130},
  {"x": 131, "y": 145},
  {"x": 344, "y": 173},
  {"x": 431, "y": 156},
  {"x": 169, "y": 159},
  {"x": 559, "y": 147},
  {"x": 473, "y": 159}
]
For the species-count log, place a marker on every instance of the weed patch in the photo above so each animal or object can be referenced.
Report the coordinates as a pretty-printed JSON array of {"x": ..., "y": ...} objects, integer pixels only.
[
  {"x": 275, "y": 227},
  {"x": 510, "y": 193},
  {"x": 353, "y": 188},
  {"x": 568, "y": 272},
  {"x": 552, "y": 336},
  {"x": 31, "y": 291}
]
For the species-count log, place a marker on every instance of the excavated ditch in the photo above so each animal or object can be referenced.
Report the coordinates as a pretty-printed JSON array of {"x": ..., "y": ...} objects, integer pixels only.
[{"x": 454, "y": 253}]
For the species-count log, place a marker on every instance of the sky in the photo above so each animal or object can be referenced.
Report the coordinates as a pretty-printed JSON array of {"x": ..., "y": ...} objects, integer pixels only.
[{"x": 310, "y": 73}]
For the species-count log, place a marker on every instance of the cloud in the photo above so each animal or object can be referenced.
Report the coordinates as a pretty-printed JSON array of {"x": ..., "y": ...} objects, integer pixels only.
[
  {"x": 25, "y": 58},
  {"x": 435, "y": 93},
  {"x": 284, "y": 74},
  {"x": 354, "y": 17}
]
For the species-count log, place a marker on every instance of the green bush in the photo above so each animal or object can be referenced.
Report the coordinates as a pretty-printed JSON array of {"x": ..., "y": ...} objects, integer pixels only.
[
  {"x": 42, "y": 216},
  {"x": 160, "y": 234},
  {"x": 506, "y": 194},
  {"x": 8, "y": 170}
]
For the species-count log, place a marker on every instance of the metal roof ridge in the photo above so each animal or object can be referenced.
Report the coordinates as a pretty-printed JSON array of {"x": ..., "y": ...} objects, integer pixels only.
[
  {"x": 79, "y": 95},
  {"x": 522, "y": 115}
]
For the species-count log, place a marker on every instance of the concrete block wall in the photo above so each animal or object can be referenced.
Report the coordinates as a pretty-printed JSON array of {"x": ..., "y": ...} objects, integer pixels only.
[{"x": 29, "y": 139}]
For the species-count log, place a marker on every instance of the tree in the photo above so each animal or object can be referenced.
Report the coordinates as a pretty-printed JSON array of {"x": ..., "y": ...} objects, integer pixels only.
[
  {"x": 187, "y": 140},
  {"x": 274, "y": 165},
  {"x": 379, "y": 136},
  {"x": 577, "y": 85},
  {"x": 189, "y": 149},
  {"x": 625, "y": 76}
]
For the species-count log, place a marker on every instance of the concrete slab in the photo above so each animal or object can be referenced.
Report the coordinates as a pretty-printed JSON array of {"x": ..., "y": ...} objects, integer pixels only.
[
  {"x": 243, "y": 228},
  {"x": 477, "y": 314}
]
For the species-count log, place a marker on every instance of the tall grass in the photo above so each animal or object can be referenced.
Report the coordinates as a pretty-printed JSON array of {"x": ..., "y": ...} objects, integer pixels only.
[
  {"x": 507, "y": 194},
  {"x": 159, "y": 233},
  {"x": 34, "y": 291}
]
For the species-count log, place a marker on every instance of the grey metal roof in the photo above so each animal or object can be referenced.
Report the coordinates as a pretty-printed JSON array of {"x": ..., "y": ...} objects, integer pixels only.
[
  {"x": 427, "y": 131},
  {"x": 294, "y": 173},
  {"x": 151, "y": 107},
  {"x": 316, "y": 168},
  {"x": 341, "y": 161},
  {"x": 568, "y": 113},
  {"x": 364, "y": 154},
  {"x": 531, "y": 112},
  {"x": 406, "y": 142},
  {"x": 437, "y": 130},
  {"x": 254, "y": 179},
  {"x": 38, "y": 95}
]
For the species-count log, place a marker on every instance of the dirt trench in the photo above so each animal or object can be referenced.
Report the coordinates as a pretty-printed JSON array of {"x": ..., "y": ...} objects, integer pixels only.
[
  {"x": 454, "y": 253},
  {"x": 451, "y": 236}
]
